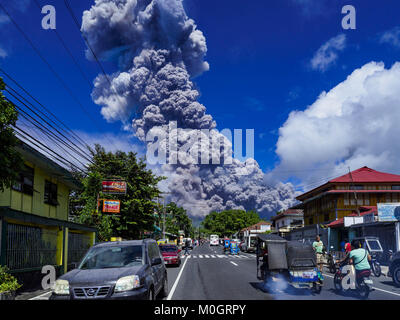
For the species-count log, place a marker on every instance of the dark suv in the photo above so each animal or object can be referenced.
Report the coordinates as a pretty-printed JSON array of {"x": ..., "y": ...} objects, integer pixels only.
[
  {"x": 116, "y": 270},
  {"x": 394, "y": 267}
]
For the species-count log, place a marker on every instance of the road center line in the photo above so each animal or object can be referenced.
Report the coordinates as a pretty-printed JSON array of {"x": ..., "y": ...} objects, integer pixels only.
[
  {"x": 233, "y": 263},
  {"x": 176, "y": 281},
  {"x": 396, "y": 294}
]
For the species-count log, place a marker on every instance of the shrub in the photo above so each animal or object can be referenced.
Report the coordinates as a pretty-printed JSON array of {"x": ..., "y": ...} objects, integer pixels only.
[{"x": 7, "y": 281}]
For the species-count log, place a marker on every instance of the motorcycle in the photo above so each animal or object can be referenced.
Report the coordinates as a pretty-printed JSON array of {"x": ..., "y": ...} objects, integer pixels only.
[
  {"x": 331, "y": 261},
  {"x": 363, "y": 284},
  {"x": 375, "y": 266}
]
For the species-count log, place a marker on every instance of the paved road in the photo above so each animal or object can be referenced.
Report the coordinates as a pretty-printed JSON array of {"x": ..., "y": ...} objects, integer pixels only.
[{"x": 208, "y": 274}]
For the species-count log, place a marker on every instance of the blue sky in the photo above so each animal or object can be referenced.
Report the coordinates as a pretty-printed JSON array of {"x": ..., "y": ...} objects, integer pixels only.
[{"x": 259, "y": 53}]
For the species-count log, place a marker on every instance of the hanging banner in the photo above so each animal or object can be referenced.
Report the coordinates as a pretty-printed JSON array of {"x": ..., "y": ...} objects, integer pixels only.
[
  {"x": 111, "y": 206},
  {"x": 114, "y": 187}
]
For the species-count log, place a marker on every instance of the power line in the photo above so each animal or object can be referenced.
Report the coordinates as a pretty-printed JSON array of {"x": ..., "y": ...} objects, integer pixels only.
[
  {"x": 71, "y": 12},
  {"x": 68, "y": 51},
  {"x": 67, "y": 129},
  {"x": 80, "y": 152},
  {"x": 43, "y": 147},
  {"x": 60, "y": 79}
]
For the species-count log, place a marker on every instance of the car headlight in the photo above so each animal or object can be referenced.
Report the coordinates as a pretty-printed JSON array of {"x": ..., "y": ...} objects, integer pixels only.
[
  {"x": 127, "y": 283},
  {"x": 61, "y": 287}
]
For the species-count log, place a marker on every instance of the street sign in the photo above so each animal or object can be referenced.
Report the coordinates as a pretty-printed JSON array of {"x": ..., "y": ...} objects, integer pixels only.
[
  {"x": 389, "y": 211},
  {"x": 111, "y": 206},
  {"x": 114, "y": 187}
]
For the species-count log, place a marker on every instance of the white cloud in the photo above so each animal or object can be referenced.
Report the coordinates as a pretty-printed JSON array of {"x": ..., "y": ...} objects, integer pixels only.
[
  {"x": 354, "y": 124},
  {"x": 327, "y": 54},
  {"x": 392, "y": 37}
]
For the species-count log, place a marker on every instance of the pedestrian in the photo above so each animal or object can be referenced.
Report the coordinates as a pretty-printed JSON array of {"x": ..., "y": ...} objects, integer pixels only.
[
  {"x": 187, "y": 244},
  {"x": 343, "y": 245},
  {"x": 318, "y": 246}
]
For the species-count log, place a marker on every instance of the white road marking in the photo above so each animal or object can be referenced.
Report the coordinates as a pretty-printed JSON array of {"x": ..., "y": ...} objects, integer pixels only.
[
  {"x": 194, "y": 256},
  {"x": 171, "y": 293},
  {"x": 206, "y": 256},
  {"x": 200, "y": 256},
  {"x": 233, "y": 263},
  {"x": 212, "y": 256},
  {"x": 39, "y": 296},
  {"x": 396, "y": 294}
]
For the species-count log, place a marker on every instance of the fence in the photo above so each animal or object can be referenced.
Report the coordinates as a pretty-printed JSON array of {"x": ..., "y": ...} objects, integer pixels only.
[
  {"x": 30, "y": 247},
  {"x": 78, "y": 245}
]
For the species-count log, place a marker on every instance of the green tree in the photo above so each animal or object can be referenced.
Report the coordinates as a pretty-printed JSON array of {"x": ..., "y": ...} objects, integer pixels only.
[
  {"x": 137, "y": 206},
  {"x": 10, "y": 159},
  {"x": 176, "y": 219},
  {"x": 229, "y": 222}
]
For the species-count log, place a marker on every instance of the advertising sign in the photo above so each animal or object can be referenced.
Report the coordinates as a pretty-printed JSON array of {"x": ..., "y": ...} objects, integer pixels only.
[
  {"x": 111, "y": 206},
  {"x": 114, "y": 187},
  {"x": 389, "y": 211},
  {"x": 349, "y": 221}
]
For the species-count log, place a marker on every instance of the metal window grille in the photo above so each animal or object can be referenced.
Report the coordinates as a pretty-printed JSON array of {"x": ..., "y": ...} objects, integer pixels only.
[
  {"x": 30, "y": 247},
  {"x": 78, "y": 245}
]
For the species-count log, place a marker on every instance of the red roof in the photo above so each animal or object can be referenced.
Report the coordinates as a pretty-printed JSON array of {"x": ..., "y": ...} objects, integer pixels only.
[
  {"x": 366, "y": 174},
  {"x": 363, "y": 211}
]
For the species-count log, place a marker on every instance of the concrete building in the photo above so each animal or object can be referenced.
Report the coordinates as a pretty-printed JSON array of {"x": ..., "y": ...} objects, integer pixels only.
[{"x": 34, "y": 226}]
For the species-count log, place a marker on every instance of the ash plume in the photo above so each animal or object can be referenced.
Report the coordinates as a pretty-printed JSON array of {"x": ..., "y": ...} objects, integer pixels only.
[{"x": 159, "y": 51}]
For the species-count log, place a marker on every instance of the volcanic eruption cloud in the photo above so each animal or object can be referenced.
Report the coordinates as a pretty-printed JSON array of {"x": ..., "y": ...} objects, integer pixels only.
[{"x": 159, "y": 51}]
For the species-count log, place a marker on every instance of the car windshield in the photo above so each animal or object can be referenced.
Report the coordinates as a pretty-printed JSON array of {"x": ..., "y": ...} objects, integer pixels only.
[
  {"x": 113, "y": 257},
  {"x": 168, "y": 249}
]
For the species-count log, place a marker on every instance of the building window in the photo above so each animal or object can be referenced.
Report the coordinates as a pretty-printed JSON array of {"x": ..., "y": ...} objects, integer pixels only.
[
  {"x": 388, "y": 198},
  {"x": 395, "y": 187},
  {"x": 25, "y": 181},
  {"x": 346, "y": 199},
  {"x": 310, "y": 220},
  {"x": 50, "y": 193},
  {"x": 357, "y": 187},
  {"x": 366, "y": 199},
  {"x": 326, "y": 217}
]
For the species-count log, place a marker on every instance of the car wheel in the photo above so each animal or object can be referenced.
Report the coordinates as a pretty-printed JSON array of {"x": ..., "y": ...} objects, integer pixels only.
[
  {"x": 150, "y": 294},
  {"x": 164, "y": 290},
  {"x": 396, "y": 275}
]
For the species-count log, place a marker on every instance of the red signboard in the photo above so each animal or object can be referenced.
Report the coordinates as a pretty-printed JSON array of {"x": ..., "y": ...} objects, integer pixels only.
[
  {"x": 114, "y": 187},
  {"x": 111, "y": 206}
]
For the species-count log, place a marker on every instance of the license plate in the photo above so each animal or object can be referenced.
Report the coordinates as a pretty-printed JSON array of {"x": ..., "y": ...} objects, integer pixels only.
[{"x": 368, "y": 281}]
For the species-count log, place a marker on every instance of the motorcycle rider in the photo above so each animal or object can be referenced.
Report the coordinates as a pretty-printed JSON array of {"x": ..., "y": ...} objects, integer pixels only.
[{"x": 360, "y": 258}]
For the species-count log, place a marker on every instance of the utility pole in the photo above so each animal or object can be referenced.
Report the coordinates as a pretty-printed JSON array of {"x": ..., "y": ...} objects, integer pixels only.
[
  {"x": 355, "y": 193},
  {"x": 164, "y": 219}
]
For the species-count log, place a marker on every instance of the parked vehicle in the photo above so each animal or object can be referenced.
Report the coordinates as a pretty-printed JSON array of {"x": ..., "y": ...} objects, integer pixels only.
[
  {"x": 116, "y": 270},
  {"x": 249, "y": 244},
  {"x": 171, "y": 254},
  {"x": 374, "y": 248},
  {"x": 363, "y": 285},
  {"x": 214, "y": 240},
  {"x": 227, "y": 243},
  {"x": 292, "y": 261},
  {"x": 331, "y": 261},
  {"x": 394, "y": 267},
  {"x": 234, "y": 248}
]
